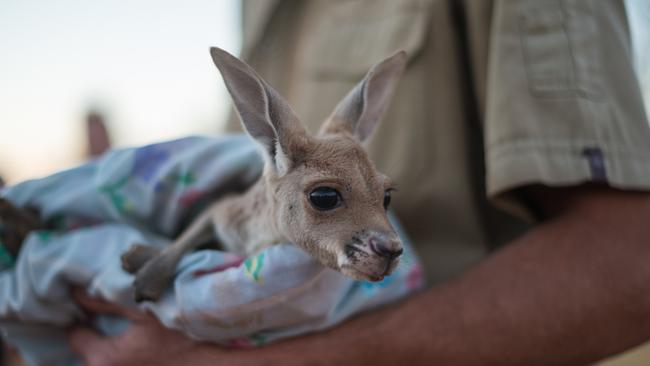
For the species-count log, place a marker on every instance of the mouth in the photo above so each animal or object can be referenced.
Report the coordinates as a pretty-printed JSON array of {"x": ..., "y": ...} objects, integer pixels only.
[{"x": 358, "y": 274}]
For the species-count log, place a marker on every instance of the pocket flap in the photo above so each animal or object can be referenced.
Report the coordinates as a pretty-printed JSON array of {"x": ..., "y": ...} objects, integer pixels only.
[{"x": 355, "y": 35}]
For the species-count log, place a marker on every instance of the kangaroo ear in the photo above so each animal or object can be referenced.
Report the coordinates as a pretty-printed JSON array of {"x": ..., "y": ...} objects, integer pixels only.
[
  {"x": 362, "y": 108},
  {"x": 266, "y": 116}
]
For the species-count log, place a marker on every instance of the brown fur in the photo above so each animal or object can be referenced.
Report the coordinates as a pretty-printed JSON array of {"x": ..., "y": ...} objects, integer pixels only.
[{"x": 354, "y": 238}]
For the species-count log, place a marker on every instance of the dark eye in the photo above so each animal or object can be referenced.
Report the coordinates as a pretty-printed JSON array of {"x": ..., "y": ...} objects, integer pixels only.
[
  {"x": 387, "y": 198},
  {"x": 325, "y": 198}
]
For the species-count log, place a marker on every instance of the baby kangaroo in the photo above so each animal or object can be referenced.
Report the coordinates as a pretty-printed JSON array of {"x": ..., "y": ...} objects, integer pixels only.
[{"x": 321, "y": 193}]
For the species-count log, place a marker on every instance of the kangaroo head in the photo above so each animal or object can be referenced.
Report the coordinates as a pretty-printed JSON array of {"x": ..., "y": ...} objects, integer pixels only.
[{"x": 328, "y": 198}]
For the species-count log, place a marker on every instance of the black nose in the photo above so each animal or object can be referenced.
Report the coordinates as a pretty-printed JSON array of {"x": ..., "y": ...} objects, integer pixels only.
[{"x": 383, "y": 250}]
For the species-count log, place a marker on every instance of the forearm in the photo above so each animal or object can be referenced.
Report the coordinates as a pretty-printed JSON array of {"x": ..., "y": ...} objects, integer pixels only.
[{"x": 571, "y": 291}]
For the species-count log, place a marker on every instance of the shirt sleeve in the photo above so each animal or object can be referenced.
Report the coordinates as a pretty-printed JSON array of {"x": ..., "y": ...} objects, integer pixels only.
[{"x": 564, "y": 105}]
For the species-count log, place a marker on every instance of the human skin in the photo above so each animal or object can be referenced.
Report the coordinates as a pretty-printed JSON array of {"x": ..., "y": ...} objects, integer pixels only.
[{"x": 571, "y": 291}]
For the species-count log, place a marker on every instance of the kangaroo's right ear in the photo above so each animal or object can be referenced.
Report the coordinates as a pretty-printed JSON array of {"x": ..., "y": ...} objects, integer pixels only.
[{"x": 266, "y": 116}]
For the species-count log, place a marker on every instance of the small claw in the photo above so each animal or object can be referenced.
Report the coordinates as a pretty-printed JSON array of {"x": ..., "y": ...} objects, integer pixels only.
[{"x": 143, "y": 297}]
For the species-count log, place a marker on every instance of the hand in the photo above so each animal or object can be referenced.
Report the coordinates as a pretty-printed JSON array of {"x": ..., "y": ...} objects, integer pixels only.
[{"x": 146, "y": 342}]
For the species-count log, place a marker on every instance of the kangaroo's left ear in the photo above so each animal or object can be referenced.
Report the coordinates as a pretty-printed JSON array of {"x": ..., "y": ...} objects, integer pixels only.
[
  {"x": 362, "y": 108},
  {"x": 266, "y": 116}
]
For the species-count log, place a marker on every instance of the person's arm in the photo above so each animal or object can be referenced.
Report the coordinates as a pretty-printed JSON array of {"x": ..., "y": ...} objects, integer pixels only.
[{"x": 571, "y": 291}]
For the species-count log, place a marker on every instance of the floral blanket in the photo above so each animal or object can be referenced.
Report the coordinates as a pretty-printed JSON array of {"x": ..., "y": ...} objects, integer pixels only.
[{"x": 146, "y": 195}]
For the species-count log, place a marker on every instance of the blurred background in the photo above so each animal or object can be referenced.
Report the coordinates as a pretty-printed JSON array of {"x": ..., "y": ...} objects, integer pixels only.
[
  {"x": 130, "y": 73},
  {"x": 142, "y": 67}
]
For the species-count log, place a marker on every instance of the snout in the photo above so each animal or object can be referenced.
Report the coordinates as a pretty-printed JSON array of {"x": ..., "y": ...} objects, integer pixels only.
[
  {"x": 373, "y": 257},
  {"x": 389, "y": 249}
]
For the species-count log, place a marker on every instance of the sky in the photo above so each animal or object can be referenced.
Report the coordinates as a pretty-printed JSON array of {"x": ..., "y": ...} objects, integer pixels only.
[{"x": 144, "y": 63}]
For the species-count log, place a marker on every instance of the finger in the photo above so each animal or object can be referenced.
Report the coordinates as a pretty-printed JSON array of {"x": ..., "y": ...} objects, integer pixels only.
[
  {"x": 96, "y": 305},
  {"x": 82, "y": 339},
  {"x": 89, "y": 345}
]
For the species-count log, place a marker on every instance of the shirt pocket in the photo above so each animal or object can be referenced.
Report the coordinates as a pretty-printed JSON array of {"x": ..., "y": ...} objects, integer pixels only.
[
  {"x": 560, "y": 44},
  {"x": 354, "y": 35}
]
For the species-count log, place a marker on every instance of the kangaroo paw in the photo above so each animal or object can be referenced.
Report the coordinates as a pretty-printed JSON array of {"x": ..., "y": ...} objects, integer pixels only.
[
  {"x": 154, "y": 278},
  {"x": 137, "y": 256},
  {"x": 15, "y": 225}
]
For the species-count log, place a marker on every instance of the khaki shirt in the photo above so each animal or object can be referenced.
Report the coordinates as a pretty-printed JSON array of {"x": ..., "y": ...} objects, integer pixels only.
[{"x": 497, "y": 95}]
